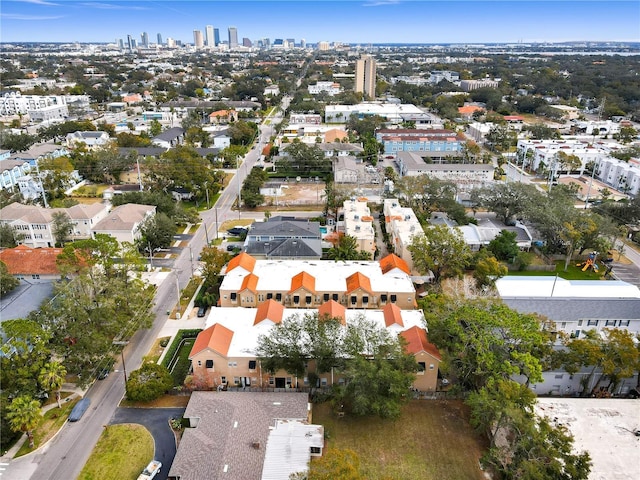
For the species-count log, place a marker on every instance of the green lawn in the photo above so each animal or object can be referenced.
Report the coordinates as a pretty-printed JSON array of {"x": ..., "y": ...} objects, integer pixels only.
[
  {"x": 431, "y": 440},
  {"x": 573, "y": 272},
  {"x": 179, "y": 367},
  {"x": 121, "y": 453}
]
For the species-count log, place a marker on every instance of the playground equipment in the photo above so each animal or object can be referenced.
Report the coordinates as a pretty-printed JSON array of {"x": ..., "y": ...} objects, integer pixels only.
[{"x": 589, "y": 263}]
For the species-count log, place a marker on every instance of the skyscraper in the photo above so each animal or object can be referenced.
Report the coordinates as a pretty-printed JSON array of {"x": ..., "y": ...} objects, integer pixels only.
[
  {"x": 144, "y": 37},
  {"x": 209, "y": 36},
  {"x": 130, "y": 42},
  {"x": 233, "y": 37},
  {"x": 246, "y": 42},
  {"x": 216, "y": 37},
  {"x": 198, "y": 40},
  {"x": 159, "y": 39},
  {"x": 366, "y": 76}
]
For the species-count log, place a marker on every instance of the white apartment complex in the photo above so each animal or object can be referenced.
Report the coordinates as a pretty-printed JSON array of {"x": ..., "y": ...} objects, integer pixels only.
[
  {"x": 358, "y": 223},
  {"x": 42, "y": 107},
  {"x": 330, "y": 88},
  {"x": 402, "y": 225}
]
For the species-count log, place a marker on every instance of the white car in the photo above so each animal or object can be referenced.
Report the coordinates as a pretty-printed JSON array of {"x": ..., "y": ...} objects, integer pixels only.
[{"x": 150, "y": 470}]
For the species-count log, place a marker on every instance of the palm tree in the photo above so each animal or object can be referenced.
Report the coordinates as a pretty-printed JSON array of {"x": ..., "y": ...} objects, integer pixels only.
[
  {"x": 52, "y": 377},
  {"x": 347, "y": 249},
  {"x": 23, "y": 415}
]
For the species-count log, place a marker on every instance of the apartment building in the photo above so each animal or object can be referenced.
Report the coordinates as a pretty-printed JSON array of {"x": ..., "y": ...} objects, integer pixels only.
[
  {"x": 430, "y": 143},
  {"x": 330, "y": 88},
  {"x": 393, "y": 113},
  {"x": 358, "y": 223},
  {"x": 401, "y": 225},
  {"x": 50, "y": 106},
  {"x": 308, "y": 284},
  {"x": 365, "y": 81}
]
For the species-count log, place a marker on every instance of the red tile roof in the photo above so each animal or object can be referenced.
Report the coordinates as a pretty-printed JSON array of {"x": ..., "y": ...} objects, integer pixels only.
[
  {"x": 250, "y": 282},
  {"x": 31, "y": 261},
  {"x": 269, "y": 310},
  {"x": 358, "y": 280},
  {"x": 216, "y": 338},
  {"x": 392, "y": 261},
  {"x": 305, "y": 280},
  {"x": 243, "y": 260},
  {"x": 333, "y": 309},
  {"x": 417, "y": 342},
  {"x": 392, "y": 315}
]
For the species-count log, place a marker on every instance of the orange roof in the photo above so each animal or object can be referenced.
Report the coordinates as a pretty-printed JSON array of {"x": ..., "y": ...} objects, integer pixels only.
[
  {"x": 333, "y": 309},
  {"x": 305, "y": 280},
  {"x": 250, "y": 282},
  {"x": 31, "y": 261},
  {"x": 469, "y": 109},
  {"x": 243, "y": 260},
  {"x": 221, "y": 113},
  {"x": 392, "y": 261},
  {"x": 392, "y": 315},
  {"x": 358, "y": 280},
  {"x": 333, "y": 134},
  {"x": 417, "y": 342},
  {"x": 269, "y": 310},
  {"x": 366, "y": 218},
  {"x": 216, "y": 338}
]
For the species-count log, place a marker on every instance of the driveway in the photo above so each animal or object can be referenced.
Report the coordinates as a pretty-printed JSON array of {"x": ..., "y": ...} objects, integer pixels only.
[{"x": 156, "y": 420}]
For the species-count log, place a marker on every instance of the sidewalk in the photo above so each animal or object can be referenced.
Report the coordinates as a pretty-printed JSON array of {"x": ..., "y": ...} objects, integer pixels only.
[{"x": 66, "y": 387}]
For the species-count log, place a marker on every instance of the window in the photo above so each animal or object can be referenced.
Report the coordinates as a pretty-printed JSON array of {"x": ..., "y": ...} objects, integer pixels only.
[
  {"x": 35, "y": 276},
  {"x": 232, "y": 364},
  {"x": 393, "y": 298},
  {"x": 431, "y": 366},
  {"x": 421, "y": 368},
  {"x": 279, "y": 297},
  {"x": 335, "y": 297},
  {"x": 236, "y": 380},
  {"x": 559, "y": 377},
  {"x": 323, "y": 382},
  {"x": 234, "y": 296},
  {"x": 610, "y": 323},
  {"x": 383, "y": 298},
  {"x": 354, "y": 299},
  {"x": 296, "y": 299},
  {"x": 272, "y": 381},
  {"x": 592, "y": 323},
  {"x": 579, "y": 323},
  {"x": 326, "y": 297},
  {"x": 316, "y": 450},
  {"x": 365, "y": 299},
  {"x": 209, "y": 364},
  {"x": 305, "y": 380},
  {"x": 252, "y": 364},
  {"x": 223, "y": 379},
  {"x": 623, "y": 323},
  {"x": 269, "y": 296},
  {"x": 564, "y": 324},
  {"x": 308, "y": 299},
  {"x": 288, "y": 381}
]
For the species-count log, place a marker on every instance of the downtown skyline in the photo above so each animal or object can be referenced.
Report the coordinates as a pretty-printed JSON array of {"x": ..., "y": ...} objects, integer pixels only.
[{"x": 371, "y": 21}]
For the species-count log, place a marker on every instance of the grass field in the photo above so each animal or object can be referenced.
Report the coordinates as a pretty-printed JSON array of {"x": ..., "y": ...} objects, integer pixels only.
[
  {"x": 431, "y": 440},
  {"x": 573, "y": 272},
  {"x": 121, "y": 453}
]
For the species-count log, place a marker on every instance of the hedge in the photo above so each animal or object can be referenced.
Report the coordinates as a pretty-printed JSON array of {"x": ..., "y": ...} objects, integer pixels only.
[{"x": 182, "y": 334}]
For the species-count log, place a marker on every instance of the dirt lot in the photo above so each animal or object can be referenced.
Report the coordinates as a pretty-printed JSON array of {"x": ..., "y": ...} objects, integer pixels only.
[{"x": 298, "y": 194}]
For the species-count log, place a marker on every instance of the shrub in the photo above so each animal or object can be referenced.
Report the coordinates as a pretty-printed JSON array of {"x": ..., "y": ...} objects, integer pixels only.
[{"x": 148, "y": 382}]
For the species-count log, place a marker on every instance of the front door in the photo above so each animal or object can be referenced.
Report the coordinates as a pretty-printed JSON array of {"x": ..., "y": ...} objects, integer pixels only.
[{"x": 280, "y": 382}]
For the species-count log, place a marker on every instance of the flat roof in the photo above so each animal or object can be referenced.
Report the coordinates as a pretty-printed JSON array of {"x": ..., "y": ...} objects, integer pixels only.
[
  {"x": 556, "y": 287},
  {"x": 604, "y": 428}
]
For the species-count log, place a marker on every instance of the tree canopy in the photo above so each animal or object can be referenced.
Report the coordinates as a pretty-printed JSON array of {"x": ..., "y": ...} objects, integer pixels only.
[{"x": 441, "y": 251}]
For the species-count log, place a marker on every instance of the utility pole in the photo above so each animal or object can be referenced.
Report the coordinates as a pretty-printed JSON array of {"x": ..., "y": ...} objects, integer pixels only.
[{"x": 216, "y": 223}]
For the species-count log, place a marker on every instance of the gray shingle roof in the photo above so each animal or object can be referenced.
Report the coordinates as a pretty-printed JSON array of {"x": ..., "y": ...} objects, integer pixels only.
[
  {"x": 286, "y": 248},
  {"x": 568, "y": 309},
  {"x": 229, "y": 423},
  {"x": 286, "y": 228},
  {"x": 170, "y": 134}
]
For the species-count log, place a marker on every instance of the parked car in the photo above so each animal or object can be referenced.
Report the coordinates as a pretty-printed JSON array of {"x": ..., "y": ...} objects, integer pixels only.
[
  {"x": 102, "y": 374},
  {"x": 79, "y": 409},
  {"x": 237, "y": 231},
  {"x": 202, "y": 311},
  {"x": 231, "y": 248}
]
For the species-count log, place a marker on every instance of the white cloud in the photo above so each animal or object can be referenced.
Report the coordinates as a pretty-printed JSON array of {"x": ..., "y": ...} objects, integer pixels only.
[
  {"x": 20, "y": 16},
  {"x": 39, "y": 2},
  {"x": 111, "y": 6}
]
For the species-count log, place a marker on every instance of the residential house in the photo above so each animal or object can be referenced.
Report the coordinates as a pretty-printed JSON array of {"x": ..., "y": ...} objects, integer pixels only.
[
  {"x": 335, "y": 134},
  {"x": 284, "y": 238},
  {"x": 11, "y": 170},
  {"x": 305, "y": 118},
  {"x": 358, "y": 223},
  {"x": 246, "y": 436},
  {"x": 124, "y": 222},
  {"x": 223, "y": 117},
  {"x": 347, "y": 169},
  {"x": 272, "y": 90},
  {"x": 480, "y": 235},
  {"x": 169, "y": 138},
  {"x": 335, "y": 149},
  {"x": 307, "y": 284},
  {"x": 401, "y": 225},
  {"x": 91, "y": 140},
  {"x": 224, "y": 354},
  {"x": 32, "y": 264}
]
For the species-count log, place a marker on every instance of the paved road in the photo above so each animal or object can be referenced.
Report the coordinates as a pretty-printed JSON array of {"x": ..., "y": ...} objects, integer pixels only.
[
  {"x": 64, "y": 457},
  {"x": 156, "y": 420}
]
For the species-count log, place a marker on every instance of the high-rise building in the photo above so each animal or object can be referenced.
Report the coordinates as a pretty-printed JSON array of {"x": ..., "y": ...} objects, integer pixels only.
[
  {"x": 209, "y": 38},
  {"x": 233, "y": 37},
  {"x": 303, "y": 43},
  {"x": 130, "y": 42},
  {"x": 323, "y": 46},
  {"x": 159, "y": 39},
  {"x": 171, "y": 43},
  {"x": 366, "y": 76},
  {"x": 198, "y": 39},
  {"x": 216, "y": 37},
  {"x": 246, "y": 42},
  {"x": 120, "y": 43},
  {"x": 144, "y": 37}
]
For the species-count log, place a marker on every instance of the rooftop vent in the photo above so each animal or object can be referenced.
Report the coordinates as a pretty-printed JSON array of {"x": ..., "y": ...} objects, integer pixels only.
[{"x": 256, "y": 445}]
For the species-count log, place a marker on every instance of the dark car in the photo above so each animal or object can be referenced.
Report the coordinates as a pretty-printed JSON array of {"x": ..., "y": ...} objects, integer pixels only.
[
  {"x": 231, "y": 248},
  {"x": 79, "y": 409},
  {"x": 202, "y": 311},
  {"x": 238, "y": 231},
  {"x": 102, "y": 374}
]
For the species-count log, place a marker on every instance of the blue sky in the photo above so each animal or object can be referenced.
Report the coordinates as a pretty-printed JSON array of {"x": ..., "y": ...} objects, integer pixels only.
[{"x": 367, "y": 21}]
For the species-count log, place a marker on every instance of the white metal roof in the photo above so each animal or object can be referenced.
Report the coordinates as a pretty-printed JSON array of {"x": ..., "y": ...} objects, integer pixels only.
[{"x": 521, "y": 286}]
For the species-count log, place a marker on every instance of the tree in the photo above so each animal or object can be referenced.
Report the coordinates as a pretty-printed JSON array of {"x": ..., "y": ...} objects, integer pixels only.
[
  {"x": 243, "y": 133},
  {"x": 441, "y": 251},
  {"x": 24, "y": 415},
  {"x": 16, "y": 143},
  {"x": 56, "y": 175},
  {"x": 627, "y": 134},
  {"x": 8, "y": 282},
  {"x": 507, "y": 200},
  {"x": 504, "y": 245},
  {"x": 156, "y": 232},
  {"x": 51, "y": 377},
  {"x": 149, "y": 382},
  {"x": 61, "y": 226},
  {"x": 213, "y": 259},
  {"x": 335, "y": 463},
  {"x": 9, "y": 238},
  {"x": 488, "y": 269},
  {"x": 155, "y": 128},
  {"x": 347, "y": 249}
]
